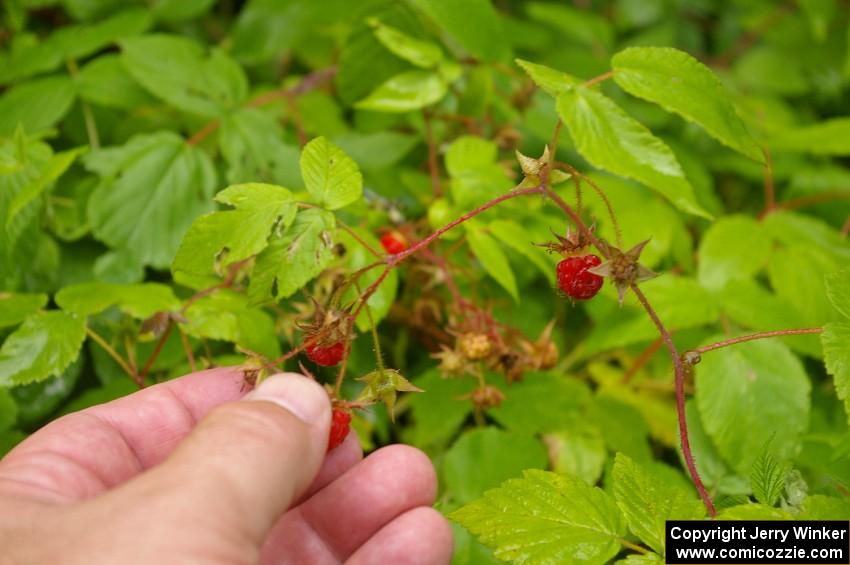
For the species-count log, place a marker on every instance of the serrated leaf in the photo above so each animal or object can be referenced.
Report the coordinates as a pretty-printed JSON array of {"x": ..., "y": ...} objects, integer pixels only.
[
  {"x": 482, "y": 458},
  {"x": 219, "y": 239},
  {"x": 150, "y": 191},
  {"x": 295, "y": 257},
  {"x": 759, "y": 386},
  {"x": 546, "y": 518},
  {"x": 550, "y": 80},
  {"x": 836, "y": 353},
  {"x": 15, "y": 308},
  {"x": 767, "y": 477},
  {"x": 647, "y": 501},
  {"x": 178, "y": 71},
  {"x": 681, "y": 84},
  {"x": 612, "y": 140},
  {"x": 53, "y": 169},
  {"x": 424, "y": 54},
  {"x": 42, "y": 347},
  {"x": 36, "y": 105},
  {"x": 492, "y": 258},
  {"x": 330, "y": 175},
  {"x": 138, "y": 300},
  {"x": 405, "y": 92},
  {"x": 838, "y": 291},
  {"x": 734, "y": 247}
]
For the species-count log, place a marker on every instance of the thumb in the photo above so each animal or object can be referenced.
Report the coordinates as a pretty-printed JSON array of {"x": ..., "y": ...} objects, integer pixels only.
[{"x": 246, "y": 461}]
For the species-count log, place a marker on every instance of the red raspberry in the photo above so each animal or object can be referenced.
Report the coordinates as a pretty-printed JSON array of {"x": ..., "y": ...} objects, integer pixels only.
[
  {"x": 325, "y": 355},
  {"x": 575, "y": 280},
  {"x": 340, "y": 426},
  {"x": 393, "y": 242}
]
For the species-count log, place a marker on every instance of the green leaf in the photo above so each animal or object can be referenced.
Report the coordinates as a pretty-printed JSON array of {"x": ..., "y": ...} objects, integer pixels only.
[
  {"x": 610, "y": 139},
  {"x": 330, "y": 175},
  {"x": 488, "y": 251},
  {"x": 753, "y": 512},
  {"x": 759, "y": 386},
  {"x": 138, "y": 300},
  {"x": 550, "y": 80},
  {"x": 820, "y": 507},
  {"x": 14, "y": 308},
  {"x": 219, "y": 239},
  {"x": 176, "y": 70},
  {"x": 43, "y": 346},
  {"x": 546, "y": 518},
  {"x": 439, "y": 413},
  {"x": 829, "y": 137},
  {"x": 254, "y": 149},
  {"x": 150, "y": 191},
  {"x": 78, "y": 41},
  {"x": 797, "y": 275},
  {"x": 542, "y": 402},
  {"x": 648, "y": 501},
  {"x": 836, "y": 353},
  {"x": 681, "y": 84},
  {"x": 734, "y": 247},
  {"x": 358, "y": 257},
  {"x": 38, "y": 401},
  {"x": 475, "y": 24},
  {"x": 180, "y": 10},
  {"x": 293, "y": 258},
  {"x": 767, "y": 477},
  {"x": 838, "y": 291},
  {"x": 226, "y": 315},
  {"x": 585, "y": 27},
  {"x": 8, "y": 410},
  {"x": 37, "y": 105},
  {"x": 411, "y": 90},
  {"x": 105, "y": 82},
  {"x": 476, "y": 177},
  {"x": 579, "y": 452},
  {"x": 483, "y": 458},
  {"x": 424, "y": 54},
  {"x": 515, "y": 236},
  {"x": 53, "y": 169}
]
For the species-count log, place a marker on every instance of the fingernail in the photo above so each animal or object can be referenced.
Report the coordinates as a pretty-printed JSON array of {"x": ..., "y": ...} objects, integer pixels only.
[{"x": 302, "y": 396}]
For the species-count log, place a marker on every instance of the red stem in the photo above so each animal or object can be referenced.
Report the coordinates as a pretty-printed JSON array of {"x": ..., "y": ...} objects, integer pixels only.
[
  {"x": 755, "y": 336},
  {"x": 679, "y": 369}
]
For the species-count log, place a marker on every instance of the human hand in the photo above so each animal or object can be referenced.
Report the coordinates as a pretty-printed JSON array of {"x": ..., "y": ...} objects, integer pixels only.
[{"x": 184, "y": 472}]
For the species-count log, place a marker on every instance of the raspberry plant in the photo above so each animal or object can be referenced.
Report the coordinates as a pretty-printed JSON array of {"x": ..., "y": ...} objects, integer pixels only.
[{"x": 353, "y": 190}]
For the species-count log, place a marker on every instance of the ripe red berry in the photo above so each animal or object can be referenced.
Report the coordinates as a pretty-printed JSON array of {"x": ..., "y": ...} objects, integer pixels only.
[
  {"x": 340, "y": 426},
  {"x": 575, "y": 280},
  {"x": 393, "y": 242},
  {"x": 325, "y": 355}
]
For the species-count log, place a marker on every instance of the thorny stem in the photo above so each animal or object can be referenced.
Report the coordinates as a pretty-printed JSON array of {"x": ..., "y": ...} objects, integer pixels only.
[
  {"x": 433, "y": 166},
  {"x": 679, "y": 370},
  {"x": 753, "y": 337},
  {"x": 98, "y": 339},
  {"x": 618, "y": 234}
]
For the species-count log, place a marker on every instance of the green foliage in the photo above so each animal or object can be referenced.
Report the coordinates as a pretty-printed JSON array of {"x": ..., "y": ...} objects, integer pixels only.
[
  {"x": 188, "y": 183},
  {"x": 647, "y": 501},
  {"x": 545, "y": 517},
  {"x": 43, "y": 346}
]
